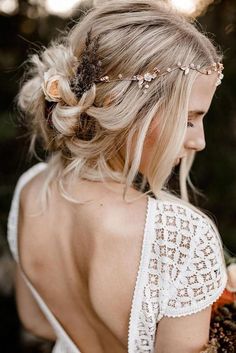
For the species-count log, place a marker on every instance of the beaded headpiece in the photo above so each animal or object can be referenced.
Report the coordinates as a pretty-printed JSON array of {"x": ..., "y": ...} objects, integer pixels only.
[{"x": 146, "y": 78}]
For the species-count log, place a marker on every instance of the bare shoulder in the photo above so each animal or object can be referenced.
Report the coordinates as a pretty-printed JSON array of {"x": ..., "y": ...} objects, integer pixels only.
[
  {"x": 31, "y": 190},
  {"x": 108, "y": 219}
]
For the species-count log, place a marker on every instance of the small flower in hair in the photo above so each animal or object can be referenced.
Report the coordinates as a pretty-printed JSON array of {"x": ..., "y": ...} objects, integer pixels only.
[
  {"x": 186, "y": 69},
  {"x": 50, "y": 86}
]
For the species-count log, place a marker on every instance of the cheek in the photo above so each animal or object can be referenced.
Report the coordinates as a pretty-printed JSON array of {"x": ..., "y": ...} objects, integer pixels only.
[{"x": 152, "y": 134}]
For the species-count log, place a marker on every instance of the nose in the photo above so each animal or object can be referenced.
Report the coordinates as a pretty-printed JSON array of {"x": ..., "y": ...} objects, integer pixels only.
[
  {"x": 196, "y": 141},
  {"x": 197, "y": 144}
]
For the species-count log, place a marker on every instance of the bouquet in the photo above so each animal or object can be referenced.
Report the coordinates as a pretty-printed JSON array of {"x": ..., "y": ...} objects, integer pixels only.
[{"x": 222, "y": 338}]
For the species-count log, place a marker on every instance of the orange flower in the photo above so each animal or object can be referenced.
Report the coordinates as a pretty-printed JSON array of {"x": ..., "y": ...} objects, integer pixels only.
[
  {"x": 226, "y": 297},
  {"x": 229, "y": 294},
  {"x": 231, "y": 272}
]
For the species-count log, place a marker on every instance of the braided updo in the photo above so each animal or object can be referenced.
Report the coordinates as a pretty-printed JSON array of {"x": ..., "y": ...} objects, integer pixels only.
[{"x": 57, "y": 99}]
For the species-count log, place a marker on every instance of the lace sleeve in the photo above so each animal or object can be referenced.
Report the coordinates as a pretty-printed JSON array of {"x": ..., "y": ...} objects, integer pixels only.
[{"x": 200, "y": 272}]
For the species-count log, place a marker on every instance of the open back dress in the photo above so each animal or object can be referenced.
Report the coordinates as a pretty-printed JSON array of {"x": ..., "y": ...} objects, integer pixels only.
[{"x": 181, "y": 269}]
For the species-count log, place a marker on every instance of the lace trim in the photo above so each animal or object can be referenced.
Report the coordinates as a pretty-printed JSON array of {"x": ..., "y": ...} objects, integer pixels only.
[{"x": 140, "y": 280}]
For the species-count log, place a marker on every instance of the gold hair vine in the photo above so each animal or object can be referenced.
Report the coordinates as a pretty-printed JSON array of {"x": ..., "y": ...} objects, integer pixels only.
[{"x": 145, "y": 79}]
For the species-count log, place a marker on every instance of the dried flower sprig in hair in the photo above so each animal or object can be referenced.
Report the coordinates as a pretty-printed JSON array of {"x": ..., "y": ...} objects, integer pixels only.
[{"x": 89, "y": 68}]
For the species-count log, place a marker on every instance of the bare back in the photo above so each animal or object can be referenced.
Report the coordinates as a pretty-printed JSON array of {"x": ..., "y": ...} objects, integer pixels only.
[{"x": 83, "y": 259}]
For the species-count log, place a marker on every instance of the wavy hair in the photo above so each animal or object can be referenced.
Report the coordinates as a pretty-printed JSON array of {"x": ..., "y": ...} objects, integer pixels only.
[{"x": 134, "y": 37}]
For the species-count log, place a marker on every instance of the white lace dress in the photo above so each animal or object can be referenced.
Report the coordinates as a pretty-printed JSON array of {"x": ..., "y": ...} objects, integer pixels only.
[{"x": 181, "y": 270}]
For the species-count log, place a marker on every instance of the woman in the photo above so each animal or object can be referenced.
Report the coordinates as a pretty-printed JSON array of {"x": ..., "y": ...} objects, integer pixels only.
[{"x": 102, "y": 265}]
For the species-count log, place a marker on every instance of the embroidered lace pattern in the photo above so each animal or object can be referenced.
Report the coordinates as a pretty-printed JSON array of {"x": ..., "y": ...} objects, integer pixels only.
[{"x": 182, "y": 272}]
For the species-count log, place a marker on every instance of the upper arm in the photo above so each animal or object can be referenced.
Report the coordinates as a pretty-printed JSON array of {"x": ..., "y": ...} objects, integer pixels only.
[
  {"x": 185, "y": 334},
  {"x": 30, "y": 314}
]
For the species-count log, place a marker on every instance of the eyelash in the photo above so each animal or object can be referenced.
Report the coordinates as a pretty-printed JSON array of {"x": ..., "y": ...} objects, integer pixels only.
[{"x": 190, "y": 124}]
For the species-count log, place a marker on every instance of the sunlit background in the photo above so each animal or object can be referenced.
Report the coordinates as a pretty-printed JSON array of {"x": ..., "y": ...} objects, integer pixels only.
[
  {"x": 65, "y": 8},
  {"x": 62, "y": 7},
  {"x": 8, "y": 6},
  {"x": 187, "y": 6}
]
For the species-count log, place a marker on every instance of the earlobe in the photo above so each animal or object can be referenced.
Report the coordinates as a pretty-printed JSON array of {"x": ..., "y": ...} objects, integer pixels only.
[
  {"x": 107, "y": 101},
  {"x": 152, "y": 133}
]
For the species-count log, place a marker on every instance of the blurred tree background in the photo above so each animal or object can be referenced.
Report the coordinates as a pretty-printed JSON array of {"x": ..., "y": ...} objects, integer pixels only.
[{"x": 25, "y": 26}]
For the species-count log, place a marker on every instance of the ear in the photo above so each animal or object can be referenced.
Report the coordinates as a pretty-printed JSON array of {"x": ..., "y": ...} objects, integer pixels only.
[
  {"x": 153, "y": 131},
  {"x": 107, "y": 101}
]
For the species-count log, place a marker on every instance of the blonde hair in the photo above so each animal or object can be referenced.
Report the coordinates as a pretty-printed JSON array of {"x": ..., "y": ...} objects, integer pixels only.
[{"x": 134, "y": 37}]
